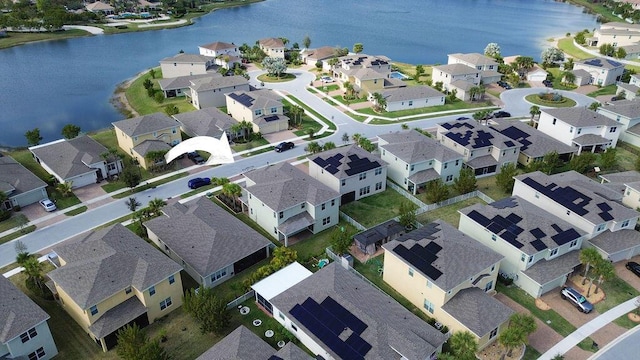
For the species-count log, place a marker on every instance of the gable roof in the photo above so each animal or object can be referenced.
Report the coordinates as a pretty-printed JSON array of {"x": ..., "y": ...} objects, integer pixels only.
[
  {"x": 321, "y": 53},
  {"x": 443, "y": 254},
  {"x": 534, "y": 143},
  {"x": 621, "y": 177},
  {"x": 216, "y": 238},
  {"x": 184, "y": 58},
  {"x": 218, "y": 45},
  {"x": 456, "y": 69},
  {"x": 257, "y": 99},
  {"x": 581, "y": 73},
  {"x": 103, "y": 262},
  {"x": 240, "y": 344},
  {"x": 474, "y": 58},
  {"x": 626, "y": 108},
  {"x": 473, "y": 136},
  {"x": 477, "y": 311},
  {"x": 413, "y": 147},
  {"x": 579, "y": 117},
  {"x": 523, "y": 225},
  {"x": 18, "y": 313},
  {"x": 151, "y": 145},
  {"x": 205, "y": 122},
  {"x": 389, "y": 327},
  {"x": 183, "y": 82},
  {"x": 600, "y": 63},
  {"x": 544, "y": 271},
  {"x": 99, "y": 6},
  {"x": 613, "y": 242},
  {"x": 16, "y": 179},
  {"x": 214, "y": 83},
  {"x": 145, "y": 124},
  {"x": 411, "y": 93},
  {"x": 70, "y": 158},
  {"x": 271, "y": 42},
  {"x": 282, "y": 186},
  {"x": 348, "y": 161}
]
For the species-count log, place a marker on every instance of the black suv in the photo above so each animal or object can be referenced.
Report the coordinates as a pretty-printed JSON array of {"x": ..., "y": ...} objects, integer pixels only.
[
  {"x": 501, "y": 114},
  {"x": 284, "y": 146},
  {"x": 196, "y": 158}
]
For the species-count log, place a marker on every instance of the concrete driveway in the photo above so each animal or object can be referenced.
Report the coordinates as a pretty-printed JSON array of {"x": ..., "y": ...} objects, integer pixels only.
[
  {"x": 626, "y": 275},
  {"x": 566, "y": 309}
]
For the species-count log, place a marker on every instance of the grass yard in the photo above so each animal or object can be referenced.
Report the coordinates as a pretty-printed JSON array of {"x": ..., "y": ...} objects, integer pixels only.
[
  {"x": 25, "y": 157},
  {"x": 448, "y": 213},
  {"x": 62, "y": 202},
  {"x": 375, "y": 209},
  {"x": 488, "y": 186},
  {"x": 342, "y": 100},
  {"x": 77, "y": 211},
  {"x": 237, "y": 147},
  {"x": 315, "y": 245},
  {"x": 148, "y": 186},
  {"x": 566, "y": 45},
  {"x": 626, "y": 159},
  {"x": 531, "y": 354},
  {"x": 17, "y": 234},
  {"x": 107, "y": 138},
  {"x": 458, "y": 105},
  {"x": 295, "y": 100},
  {"x": 565, "y": 102},
  {"x": 10, "y": 223},
  {"x": 143, "y": 104},
  {"x": 607, "y": 90},
  {"x": 15, "y": 38},
  {"x": 326, "y": 88},
  {"x": 597, "y": 8},
  {"x": 275, "y": 79},
  {"x": 618, "y": 291}
]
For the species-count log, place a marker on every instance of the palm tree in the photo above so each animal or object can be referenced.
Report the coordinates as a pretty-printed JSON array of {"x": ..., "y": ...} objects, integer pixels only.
[
  {"x": 605, "y": 271},
  {"x": 534, "y": 111},
  {"x": 594, "y": 106},
  {"x": 33, "y": 270},
  {"x": 232, "y": 190},
  {"x": 568, "y": 65},
  {"x": 348, "y": 90},
  {"x": 132, "y": 204},
  {"x": 379, "y": 100},
  {"x": 588, "y": 257},
  {"x": 236, "y": 129},
  {"x": 356, "y": 137},
  {"x": 463, "y": 345},
  {"x": 473, "y": 92},
  {"x": 568, "y": 77},
  {"x": 313, "y": 147},
  {"x": 155, "y": 206},
  {"x": 65, "y": 188}
]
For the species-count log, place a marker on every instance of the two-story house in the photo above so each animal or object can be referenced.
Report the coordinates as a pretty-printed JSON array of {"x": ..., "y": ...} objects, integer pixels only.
[
  {"x": 414, "y": 159},
  {"x": 488, "y": 66},
  {"x": 179, "y": 86},
  {"x": 627, "y": 114},
  {"x": 25, "y": 332},
  {"x": 185, "y": 65},
  {"x": 603, "y": 71},
  {"x": 337, "y": 315},
  {"x": 581, "y": 128},
  {"x": 627, "y": 183},
  {"x": 218, "y": 246},
  {"x": 110, "y": 278},
  {"x": 284, "y": 201},
  {"x": 588, "y": 206},
  {"x": 535, "y": 144},
  {"x": 448, "y": 275},
  {"x": 458, "y": 77},
  {"x": 144, "y": 134},
  {"x": 21, "y": 186},
  {"x": 206, "y": 122},
  {"x": 411, "y": 97},
  {"x": 263, "y": 108},
  {"x": 322, "y": 54},
  {"x": 210, "y": 92},
  {"x": 98, "y": 7},
  {"x": 273, "y": 47},
  {"x": 484, "y": 150},
  {"x": 80, "y": 160},
  {"x": 223, "y": 54},
  {"x": 540, "y": 250},
  {"x": 353, "y": 172},
  {"x": 616, "y": 34},
  {"x": 629, "y": 90},
  {"x": 368, "y": 74}
]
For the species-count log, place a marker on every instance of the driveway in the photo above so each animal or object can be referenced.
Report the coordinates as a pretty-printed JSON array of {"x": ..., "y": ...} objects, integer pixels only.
[
  {"x": 626, "y": 275},
  {"x": 566, "y": 309}
]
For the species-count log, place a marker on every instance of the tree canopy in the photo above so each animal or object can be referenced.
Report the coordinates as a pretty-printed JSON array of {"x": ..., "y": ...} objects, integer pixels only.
[
  {"x": 551, "y": 55},
  {"x": 492, "y": 50},
  {"x": 275, "y": 67}
]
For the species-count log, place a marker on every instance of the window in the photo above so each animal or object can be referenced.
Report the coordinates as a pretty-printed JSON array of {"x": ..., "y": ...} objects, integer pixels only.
[
  {"x": 333, "y": 202},
  {"x": 152, "y": 291},
  {"x": 449, "y": 178},
  {"x": 458, "y": 161},
  {"x": 445, "y": 165},
  {"x": 362, "y": 176},
  {"x": 537, "y": 195},
  {"x": 568, "y": 212},
  {"x": 281, "y": 315},
  {"x": 172, "y": 279},
  {"x": 410, "y": 103},
  {"x": 429, "y": 284},
  {"x": 28, "y": 335},
  {"x": 428, "y": 305},
  {"x": 38, "y": 354},
  {"x": 378, "y": 171},
  {"x": 571, "y": 129},
  {"x": 530, "y": 258},
  {"x": 218, "y": 275},
  {"x": 281, "y": 214},
  {"x": 412, "y": 167},
  {"x": 323, "y": 206},
  {"x": 579, "y": 131},
  {"x": 625, "y": 223},
  {"x": 411, "y": 272},
  {"x": 127, "y": 290},
  {"x": 379, "y": 186},
  {"x": 111, "y": 166},
  {"x": 406, "y": 166},
  {"x": 493, "y": 268},
  {"x": 165, "y": 303},
  {"x": 523, "y": 257},
  {"x": 93, "y": 309},
  {"x": 613, "y": 129},
  {"x": 275, "y": 230},
  {"x": 493, "y": 333},
  {"x": 573, "y": 243},
  {"x": 294, "y": 327},
  {"x": 258, "y": 112},
  {"x": 344, "y": 182},
  {"x": 274, "y": 110},
  {"x": 365, "y": 190},
  {"x": 173, "y": 131},
  {"x": 601, "y": 227},
  {"x": 493, "y": 237},
  {"x": 489, "y": 286},
  {"x": 554, "y": 121},
  {"x": 326, "y": 221}
]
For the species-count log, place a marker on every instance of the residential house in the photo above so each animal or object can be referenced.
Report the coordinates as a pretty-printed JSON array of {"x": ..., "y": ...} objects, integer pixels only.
[
  {"x": 337, "y": 315},
  {"x": 218, "y": 247},
  {"x": 581, "y": 77},
  {"x": 206, "y": 122},
  {"x": 110, "y": 278},
  {"x": 179, "y": 86},
  {"x": 285, "y": 201},
  {"x": 536, "y": 73},
  {"x": 603, "y": 71},
  {"x": 412, "y": 97},
  {"x": 627, "y": 183},
  {"x": 79, "y": 160},
  {"x": 540, "y": 250},
  {"x": 273, "y": 47},
  {"x": 448, "y": 275},
  {"x": 535, "y": 144},
  {"x": 371, "y": 240},
  {"x": 352, "y": 171},
  {"x": 580, "y": 127},
  {"x": 588, "y": 206},
  {"x": 627, "y": 114},
  {"x": 632, "y": 51},
  {"x": 210, "y": 92},
  {"x": 458, "y": 77},
  {"x": 368, "y": 74},
  {"x": 322, "y": 54},
  {"x": 98, "y": 7},
  {"x": 484, "y": 150},
  {"x": 185, "y": 65},
  {"x": 20, "y": 185},
  {"x": 414, "y": 159},
  {"x": 25, "y": 332},
  {"x": 628, "y": 91},
  {"x": 263, "y": 108},
  {"x": 145, "y": 134},
  {"x": 225, "y": 55},
  {"x": 147, "y": 6},
  {"x": 244, "y": 344},
  {"x": 616, "y": 34},
  {"x": 487, "y": 66}
]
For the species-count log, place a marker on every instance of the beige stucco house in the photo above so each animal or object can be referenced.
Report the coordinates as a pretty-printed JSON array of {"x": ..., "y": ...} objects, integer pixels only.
[
  {"x": 273, "y": 47},
  {"x": 185, "y": 65},
  {"x": 616, "y": 34},
  {"x": 458, "y": 77},
  {"x": 210, "y": 92},
  {"x": 603, "y": 71},
  {"x": 263, "y": 108},
  {"x": 312, "y": 56}
]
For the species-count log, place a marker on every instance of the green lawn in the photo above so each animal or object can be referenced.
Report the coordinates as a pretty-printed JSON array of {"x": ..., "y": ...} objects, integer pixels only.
[
  {"x": 295, "y": 100},
  {"x": 449, "y": 213},
  {"x": 77, "y": 211},
  {"x": 143, "y": 104},
  {"x": 9, "y": 224},
  {"x": 326, "y": 88},
  {"x": 375, "y": 209},
  {"x": 15, "y": 38},
  {"x": 617, "y": 291},
  {"x": 531, "y": 354},
  {"x": 458, "y": 105},
  {"x": 341, "y": 99},
  {"x": 607, "y": 90},
  {"x": 488, "y": 186},
  {"x": 566, "y": 45},
  {"x": 565, "y": 102},
  {"x": 148, "y": 186},
  {"x": 25, "y": 157},
  {"x": 17, "y": 234},
  {"x": 62, "y": 202},
  {"x": 250, "y": 145},
  {"x": 557, "y": 80},
  {"x": 274, "y": 79},
  {"x": 597, "y": 8}
]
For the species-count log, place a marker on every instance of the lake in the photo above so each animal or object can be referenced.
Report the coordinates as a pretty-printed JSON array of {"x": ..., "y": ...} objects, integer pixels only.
[{"x": 50, "y": 84}]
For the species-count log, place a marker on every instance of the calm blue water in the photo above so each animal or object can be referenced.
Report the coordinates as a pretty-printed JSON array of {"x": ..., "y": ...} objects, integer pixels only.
[{"x": 50, "y": 84}]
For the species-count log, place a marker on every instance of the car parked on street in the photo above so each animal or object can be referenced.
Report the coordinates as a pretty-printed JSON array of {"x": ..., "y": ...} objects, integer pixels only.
[
  {"x": 198, "y": 182},
  {"x": 48, "y": 205},
  {"x": 578, "y": 300},
  {"x": 462, "y": 118},
  {"x": 284, "y": 146},
  {"x": 634, "y": 267},
  {"x": 501, "y": 114}
]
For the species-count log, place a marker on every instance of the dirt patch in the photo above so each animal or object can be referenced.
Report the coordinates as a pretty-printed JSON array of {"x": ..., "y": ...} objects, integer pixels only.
[
  {"x": 540, "y": 304},
  {"x": 593, "y": 297},
  {"x": 495, "y": 351}
]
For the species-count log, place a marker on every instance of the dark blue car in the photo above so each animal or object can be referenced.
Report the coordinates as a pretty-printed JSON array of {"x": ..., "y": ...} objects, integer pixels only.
[{"x": 198, "y": 182}]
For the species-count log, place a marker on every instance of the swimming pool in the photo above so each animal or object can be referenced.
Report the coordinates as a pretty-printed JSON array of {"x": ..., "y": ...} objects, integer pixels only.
[{"x": 398, "y": 75}]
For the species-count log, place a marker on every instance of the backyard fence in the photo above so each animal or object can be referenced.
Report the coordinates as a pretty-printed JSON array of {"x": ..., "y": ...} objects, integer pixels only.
[
  {"x": 475, "y": 193},
  {"x": 351, "y": 221},
  {"x": 406, "y": 194},
  {"x": 233, "y": 304},
  {"x": 337, "y": 259}
]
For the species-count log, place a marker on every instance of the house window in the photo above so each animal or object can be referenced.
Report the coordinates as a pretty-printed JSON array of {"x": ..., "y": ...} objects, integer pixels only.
[
  {"x": 274, "y": 110},
  {"x": 135, "y": 138},
  {"x": 601, "y": 227},
  {"x": 275, "y": 230},
  {"x": 111, "y": 166},
  {"x": 258, "y": 112},
  {"x": 493, "y": 333},
  {"x": 378, "y": 171},
  {"x": 302, "y": 206},
  {"x": 523, "y": 257},
  {"x": 28, "y": 335},
  {"x": 445, "y": 165},
  {"x": 152, "y": 291},
  {"x": 537, "y": 195},
  {"x": 573, "y": 243},
  {"x": 411, "y": 272},
  {"x": 489, "y": 286},
  {"x": 554, "y": 122},
  {"x": 571, "y": 129},
  {"x": 172, "y": 279},
  {"x": 326, "y": 221},
  {"x": 93, "y": 309},
  {"x": 428, "y": 305},
  {"x": 38, "y": 354},
  {"x": 365, "y": 190},
  {"x": 333, "y": 202},
  {"x": 568, "y": 212},
  {"x": 429, "y": 284},
  {"x": 281, "y": 315},
  {"x": 531, "y": 258},
  {"x": 323, "y": 206},
  {"x": 613, "y": 129},
  {"x": 449, "y": 178},
  {"x": 493, "y": 237},
  {"x": 379, "y": 186},
  {"x": 281, "y": 214},
  {"x": 127, "y": 290},
  {"x": 165, "y": 303},
  {"x": 458, "y": 161},
  {"x": 410, "y": 103},
  {"x": 173, "y": 131},
  {"x": 553, "y": 252},
  {"x": 493, "y": 268},
  {"x": 625, "y": 223},
  {"x": 344, "y": 182},
  {"x": 579, "y": 131},
  {"x": 406, "y": 167},
  {"x": 218, "y": 275},
  {"x": 294, "y": 327},
  {"x": 362, "y": 176}
]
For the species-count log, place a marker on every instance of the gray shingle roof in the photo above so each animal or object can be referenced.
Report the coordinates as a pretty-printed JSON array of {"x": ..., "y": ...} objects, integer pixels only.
[
  {"x": 475, "y": 58},
  {"x": 352, "y": 157},
  {"x": 411, "y": 93},
  {"x": 472, "y": 136},
  {"x": 18, "y": 313},
  {"x": 391, "y": 328},
  {"x": 635, "y": 129},
  {"x": 379, "y": 232},
  {"x": 291, "y": 352},
  {"x": 534, "y": 143},
  {"x": 16, "y": 179},
  {"x": 478, "y": 311},
  {"x": 215, "y": 83},
  {"x": 205, "y": 122},
  {"x": 613, "y": 242},
  {"x": 117, "y": 317},
  {"x": 368, "y": 74},
  {"x": 628, "y": 88},
  {"x": 626, "y": 108},
  {"x": 481, "y": 162},
  {"x": 620, "y": 180},
  {"x": 282, "y": 186},
  {"x": 216, "y": 238},
  {"x": 463, "y": 85},
  {"x": 151, "y": 145},
  {"x": 579, "y": 117},
  {"x": 590, "y": 139},
  {"x": 545, "y": 271},
  {"x": 581, "y": 73},
  {"x": 413, "y": 147},
  {"x": 321, "y": 53},
  {"x": 146, "y": 124},
  {"x": 186, "y": 58},
  {"x": 530, "y": 218},
  {"x": 459, "y": 258},
  {"x": 183, "y": 82},
  {"x": 456, "y": 69},
  {"x": 257, "y": 99},
  {"x": 104, "y": 262},
  {"x": 69, "y": 158},
  {"x": 600, "y": 63},
  {"x": 240, "y": 344},
  {"x": 218, "y": 45}
]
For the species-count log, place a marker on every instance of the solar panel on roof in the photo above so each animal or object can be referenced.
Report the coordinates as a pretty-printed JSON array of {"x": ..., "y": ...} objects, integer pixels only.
[
  {"x": 433, "y": 247},
  {"x": 514, "y": 218},
  {"x": 566, "y": 196},
  {"x": 509, "y": 143},
  {"x": 504, "y": 203},
  {"x": 605, "y": 216},
  {"x": 556, "y": 228},
  {"x": 479, "y": 218},
  {"x": 271, "y": 118},
  {"x": 515, "y": 229},
  {"x": 537, "y": 233},
  {"x": 511, "y": 239},
  {"x": 538, "y": 244},
  {"x": 604, "y": 206},
  {"x": 565, "y": 236},
  {"x": 420, "y": 258},
  {"x": 350, "y": 320},
  {"x": 495, "y": 228}
]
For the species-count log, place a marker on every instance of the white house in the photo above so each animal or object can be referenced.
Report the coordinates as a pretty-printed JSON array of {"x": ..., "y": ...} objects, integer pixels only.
[
  {"x": 459, "y": 77},
  {"x": 412, "y": 97},
  {"x": 263, "y": 108},
  {"x": 312, "y": 56},
  {"x": 603, "y": 71},
  {"x": 626, "y": 182},
  {"x": 273, "y": 47},
  {"x": 211, "y": 91},
  {"x": 224, "y": 54},
  {"x": 487, "y": 66},
  {"x": 627, "y": 114},
  {"x": 185, "y": 65}
]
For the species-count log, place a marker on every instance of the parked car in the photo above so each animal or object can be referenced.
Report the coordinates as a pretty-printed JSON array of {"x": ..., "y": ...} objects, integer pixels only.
[
  {"x": 196, "y": 158},
  {"x": 634, "y": 267},
  {"x": 501, "y": 114},
  {"x": 502, "y": 83},
  {"x": 547, "y": 83},
  {"x": 284, "y": 146},
  {"x": 579, "y": 301},
  {"x": 198, "y": 182},
  {"x": 462, "y": 118},
  {"x": 326, "y": 79},
  {"x": 48, "y": 205}
]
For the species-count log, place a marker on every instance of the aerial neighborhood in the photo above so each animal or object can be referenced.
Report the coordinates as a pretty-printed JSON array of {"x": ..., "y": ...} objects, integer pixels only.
[{"x": 454, "y": 229}]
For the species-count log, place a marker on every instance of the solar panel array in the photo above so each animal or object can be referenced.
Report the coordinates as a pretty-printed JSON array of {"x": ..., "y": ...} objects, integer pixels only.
[
  {"x": 566, "y": 196},
  {"x": 421, "y": 257},
  {"x": 605, "y": 215},
  {"x": 518, "y": 135},
  {"x": 331, "y": 164},
  {"x": 482, "y": 139},
  {"x": 271, "y": 118},
  {"x": 243, "y": 99},
  {"x": 457, "y": 125},
  {"x": 355, "y": 164},
  {"x": 327, "y": 321}
]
